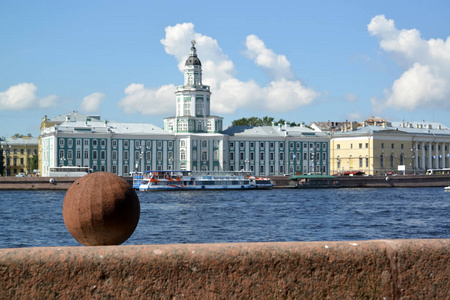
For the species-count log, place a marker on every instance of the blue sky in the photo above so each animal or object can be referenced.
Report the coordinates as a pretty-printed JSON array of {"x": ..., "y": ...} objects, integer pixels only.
[{"x": 296, "y": 60}]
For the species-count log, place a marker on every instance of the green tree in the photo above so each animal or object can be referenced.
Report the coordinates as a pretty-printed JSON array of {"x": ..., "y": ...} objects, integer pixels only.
[
  {"x": 267, "y": 121},
  {"x": 2, "y": 164},
  {"x": 33, "y": 163}
]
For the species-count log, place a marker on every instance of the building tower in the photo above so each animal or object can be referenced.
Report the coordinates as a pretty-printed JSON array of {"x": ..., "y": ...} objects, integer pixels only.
[{"x": 193, "y": 102}]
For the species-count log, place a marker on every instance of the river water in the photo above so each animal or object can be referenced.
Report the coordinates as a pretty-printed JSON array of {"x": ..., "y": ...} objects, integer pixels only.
[{"x": 34, "y": 218}]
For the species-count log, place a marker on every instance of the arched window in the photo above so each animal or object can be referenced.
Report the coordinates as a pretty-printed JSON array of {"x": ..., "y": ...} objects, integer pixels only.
[
  {"x": 204, "y": 168},
  {"x": 392, "y": 160},
  {"x": 382, "y": 160},
  {"x": 402, "y": 159}
]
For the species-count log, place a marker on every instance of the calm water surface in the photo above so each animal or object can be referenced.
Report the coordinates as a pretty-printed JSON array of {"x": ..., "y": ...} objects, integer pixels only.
[{"x": 34, "y": 218}]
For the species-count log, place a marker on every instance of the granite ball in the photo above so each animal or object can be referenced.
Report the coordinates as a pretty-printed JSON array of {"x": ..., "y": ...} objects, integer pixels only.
[{"x": 101, "y": 208}]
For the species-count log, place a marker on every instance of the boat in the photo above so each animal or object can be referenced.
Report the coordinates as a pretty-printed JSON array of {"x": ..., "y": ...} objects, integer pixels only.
[
  {"x": 264, "y": 183},
  {"x": 315, "y": 181},
  {"x": 447, "y": 188},
  {"x": 192, "y": 180}
]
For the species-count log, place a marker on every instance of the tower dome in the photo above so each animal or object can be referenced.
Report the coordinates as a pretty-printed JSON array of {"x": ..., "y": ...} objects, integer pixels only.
[{"x": 193, "y": 59}]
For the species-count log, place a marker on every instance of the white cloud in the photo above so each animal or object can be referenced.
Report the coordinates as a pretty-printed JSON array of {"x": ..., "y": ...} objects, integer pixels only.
[
  {"x": 351, "y": 97},
  {"x": 148, "y": 101},
  {"x": 22, "y": 97},
  {"x": 283, "y": 93},
  {"x": 426, "y": 78},
  {"x": 91, "y": 103}
]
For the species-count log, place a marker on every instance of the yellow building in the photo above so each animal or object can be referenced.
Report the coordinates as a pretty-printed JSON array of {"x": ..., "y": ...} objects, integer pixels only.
[
  {"x": 397, "y": 147},
  {"x": 16, "y": 152}
]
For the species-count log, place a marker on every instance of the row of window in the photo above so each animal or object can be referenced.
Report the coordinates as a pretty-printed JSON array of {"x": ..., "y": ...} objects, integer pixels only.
[
  {"x": 126, "y": 143},
  {"x": 22, "y": 151},
  {"x": 292, "y": 156},
  {"x": 281, "y": 169},
  {"x": 281, "y": 145}
]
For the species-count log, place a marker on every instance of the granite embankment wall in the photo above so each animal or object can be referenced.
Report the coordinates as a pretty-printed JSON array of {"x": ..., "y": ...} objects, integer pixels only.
[
  {"x": 63, "y": 183},
  {"x": 382, "y": 269}
]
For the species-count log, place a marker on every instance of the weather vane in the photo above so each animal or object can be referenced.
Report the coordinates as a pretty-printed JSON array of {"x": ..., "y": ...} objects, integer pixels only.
[{"x": 193, "y": 43}]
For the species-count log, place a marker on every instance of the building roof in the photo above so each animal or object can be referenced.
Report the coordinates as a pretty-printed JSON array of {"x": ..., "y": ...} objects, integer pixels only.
[
  {"x": 193, "y": 59},
  {"x": 19, "y": 141},
  {"x": 109, "y": 127},
  {"x": 271, "y": 131},
  {"x": 424, "y": 128}
]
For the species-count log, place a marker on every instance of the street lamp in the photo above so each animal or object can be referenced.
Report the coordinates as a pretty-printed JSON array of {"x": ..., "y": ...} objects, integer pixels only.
[{"x": 6, "y": 151}]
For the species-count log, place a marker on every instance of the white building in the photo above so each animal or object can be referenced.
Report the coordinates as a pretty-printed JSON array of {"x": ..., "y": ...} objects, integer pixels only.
[{"x": 192, "y": 140}]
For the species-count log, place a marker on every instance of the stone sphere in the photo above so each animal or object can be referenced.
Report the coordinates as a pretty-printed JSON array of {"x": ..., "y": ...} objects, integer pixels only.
[{"x": 101, "y": 209}]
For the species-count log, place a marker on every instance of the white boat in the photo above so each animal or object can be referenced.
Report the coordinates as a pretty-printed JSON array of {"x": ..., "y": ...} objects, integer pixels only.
[
  {"x": 262, "y": 182},
  {"x": 190, "y": 180},
  {"x": 447, "y": 188}
]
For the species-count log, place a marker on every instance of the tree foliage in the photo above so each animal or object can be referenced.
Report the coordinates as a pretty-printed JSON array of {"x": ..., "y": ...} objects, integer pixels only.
[
  {"x": 265, "y": 121},
  {"x": 33, "y": 163}
]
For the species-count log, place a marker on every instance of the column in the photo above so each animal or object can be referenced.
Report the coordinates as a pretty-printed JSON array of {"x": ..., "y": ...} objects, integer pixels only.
[
  {"x": 423, "y": 156},
  {"x": 430, "y": 157},
  {"x": 443, "y": 155},
  {"x": 436, "y": 155}
]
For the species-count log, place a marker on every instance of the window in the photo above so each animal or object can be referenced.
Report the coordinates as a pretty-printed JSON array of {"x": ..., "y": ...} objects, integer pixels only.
[
  {"x": 351, "y": 146},
  {"x": 204, "y": 144},
  {"x": 114, "y": 169},
  {"x": 86, "y": 154},
  {"x": 182, "y": 143},
  {"x": 114, "y": 155},
  {"x": 78, "y": 142},
  {"x": 182, "y": 155},
  {"x": 281, "y": 156},
  {"x": 69, "y": 154},
  {"x": 367, "y": 145},
  {"x": 187, "y": 108},
  {"x": 261, "y": 156},
  {"x": 281, "y": 145},
  {"x": 402, "y": 160},
  {"x": 148, "y": 155},
  {"x": 159, "y": 144},
  {"x": 170, "y": 144},
  {"x": 204, "y": 156},
  {"x": 252, "y": 145},
  {"x": 281, "y": 169},
  {"x": 136, "y": 143},
  {"x": 86, "y": 142},
  {"x": 318, "y": 146},
  {"x": 241, "y": 144},
  {"x": 241, "y": 155},
  {"x": 401, "y": 146},
  {"x": 271, "y": 145},
  {"x": 338, "y": 165},
  {"x": 291, "y": 145},
  {"x": 338, "y": 146},
  {"x": 69, "y": 143},
  {"x": 114, "y": 143},
  {"x": 252, "y": 156},
  {"x": 231, "y": 155},
  {"x": 261, "y": 169},
  {"x": 78, "y": 154},
  {"x": 125, "y": 144},
  {"x": 392, "y": 146},
  {"x": 102, "y": 168},
  {"x": 22, "y": 151},
  {"x": 125, "y": 155},
  {"x": 216, "y": 155},
  {"x": 103, "y": 154},
  {"x": 61, "y": 143},
  {"x": 261, "y": 145},
  {"x": 360, "y": 162},
  {"x": 360, "y": 145},
  {"x": 148, "y": 144},
  {"x": 61, "y": 153},
  {"x": 94, "y": 154},
  {"x": 392, "y": 160},
  {"x": 382, "y": 160},
  {"x": 94, "y": 143},
  {"x": 159, "y": 155},
  {"x": 231, "y": 144},
  {"x": 367, "y": 162},
  {"x": 382, "y": 145},
  {"x": 125, "y": 169},
  {"x": 137, "y": 155},
  {"x": 324, "y": 156},
  {"x": 305, "y": 156},
  {"x": 103, "y": 143},
  {"x": 271, "y": 169},
  {"x": 271, "y": 156}
]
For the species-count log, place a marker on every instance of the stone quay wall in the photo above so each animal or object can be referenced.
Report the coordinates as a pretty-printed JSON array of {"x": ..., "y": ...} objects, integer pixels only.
[{"x": 378, "y": 269}]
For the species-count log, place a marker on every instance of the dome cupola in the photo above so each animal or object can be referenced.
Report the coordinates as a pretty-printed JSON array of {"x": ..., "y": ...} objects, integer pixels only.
[{"x": 193, "y": 59}]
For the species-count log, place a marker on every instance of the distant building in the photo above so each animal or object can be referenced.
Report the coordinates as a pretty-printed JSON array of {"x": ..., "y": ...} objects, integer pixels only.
[
  {"x": 191, "y": 140},
  {"x": 381, "y": 146},
  {"x": 16, "y": 152}
]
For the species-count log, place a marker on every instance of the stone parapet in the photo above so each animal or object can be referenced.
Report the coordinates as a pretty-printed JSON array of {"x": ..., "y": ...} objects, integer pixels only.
[{"x": 382, "y": 269}]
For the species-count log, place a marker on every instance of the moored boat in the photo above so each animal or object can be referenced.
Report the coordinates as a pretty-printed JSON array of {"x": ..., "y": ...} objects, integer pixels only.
[
  {"x": 191, "y": 180},
  {"x": 315, "y": 181},
  {"x": 262, "y": 182}
]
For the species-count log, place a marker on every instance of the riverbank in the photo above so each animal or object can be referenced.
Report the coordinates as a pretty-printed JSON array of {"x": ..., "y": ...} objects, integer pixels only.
[{"x": 63, "y": 183}]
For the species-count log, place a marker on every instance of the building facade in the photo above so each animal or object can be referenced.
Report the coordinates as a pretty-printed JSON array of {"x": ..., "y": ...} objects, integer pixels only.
[
  {"x": 382, "y": 147},
  {"x": 16, "y": 154},
  {"x": 191, "y": 140}
]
